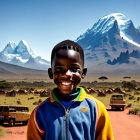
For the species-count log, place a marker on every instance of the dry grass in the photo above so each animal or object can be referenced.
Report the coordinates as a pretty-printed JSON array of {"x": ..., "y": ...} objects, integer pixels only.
[
  {"x": 2, "y": 132},
  {"x": 32, "y": 100},
  {"x": 105, "y": 100},
  {"x": 25, "y": 100}
]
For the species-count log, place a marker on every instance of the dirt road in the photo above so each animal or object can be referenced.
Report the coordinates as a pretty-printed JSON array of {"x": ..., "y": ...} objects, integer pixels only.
[
  {"x": 15, "y": 133},
  {"x": 125, "y": 127}
]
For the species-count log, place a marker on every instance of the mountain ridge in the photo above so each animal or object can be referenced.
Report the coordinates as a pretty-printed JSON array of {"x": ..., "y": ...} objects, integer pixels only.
[
  {"x": 21, "y": 55},
  {"x": 111, "y": 39}
]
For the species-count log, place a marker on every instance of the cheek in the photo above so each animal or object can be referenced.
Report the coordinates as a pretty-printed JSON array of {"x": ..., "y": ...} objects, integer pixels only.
[
  {"x": 77, "y": 77},
  {"x": 55, "y": 78}
]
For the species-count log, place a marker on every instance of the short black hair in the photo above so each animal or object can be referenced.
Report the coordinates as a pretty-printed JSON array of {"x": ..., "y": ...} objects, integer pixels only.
[{"x": 68, "y": 45}]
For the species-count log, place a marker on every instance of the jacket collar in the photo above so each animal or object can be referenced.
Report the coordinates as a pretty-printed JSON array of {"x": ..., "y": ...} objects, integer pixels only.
[{"x": 81, "y": 96}]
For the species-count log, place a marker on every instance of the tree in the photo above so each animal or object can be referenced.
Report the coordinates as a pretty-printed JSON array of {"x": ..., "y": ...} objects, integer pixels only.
[
  {"x": 103, "y": 78},
  {"x": 6, "y": 85},
  {"x": 129, "y": 85},
  {"x": 127, "y": 77}
]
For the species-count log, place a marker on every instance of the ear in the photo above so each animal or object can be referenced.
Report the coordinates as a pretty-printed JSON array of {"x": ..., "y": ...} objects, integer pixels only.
[
  {"x": 50, "y": 73},
  {"x": 84, "y": 73}
]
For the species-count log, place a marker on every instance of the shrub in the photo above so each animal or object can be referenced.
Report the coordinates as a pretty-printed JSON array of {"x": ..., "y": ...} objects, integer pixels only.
[
  {"x": 30, "y": 98},
  {"x": 19, "y": 102},
  {"x": 129, "y": 85},
  {"x": 35, "y": 103},
  {"x": 6, "y": 85},
  {"x": 138, "y": 99},
  {"x": 134, "y": 111},
  {"x": 131, "y": 97},
  {"x": 131, "y": 111},
  {"x": 137, "y": 93},
  {"x": 129, "y": 105},
  {"x": 39, "y": 101}
]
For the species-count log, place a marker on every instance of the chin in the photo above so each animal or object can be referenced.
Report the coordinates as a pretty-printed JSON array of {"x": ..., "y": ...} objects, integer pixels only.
[
  {"x": 66, "y": 92},
  {"x": 66, "y": 89}
]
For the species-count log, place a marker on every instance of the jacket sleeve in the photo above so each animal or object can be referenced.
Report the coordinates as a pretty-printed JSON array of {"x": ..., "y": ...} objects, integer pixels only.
[
  {"x": 32, "y": 130},
  {"x": 103, "y": 127}
]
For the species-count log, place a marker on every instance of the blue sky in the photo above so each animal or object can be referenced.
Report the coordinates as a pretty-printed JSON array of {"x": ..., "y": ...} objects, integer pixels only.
[{"x": 44, "y": 23}]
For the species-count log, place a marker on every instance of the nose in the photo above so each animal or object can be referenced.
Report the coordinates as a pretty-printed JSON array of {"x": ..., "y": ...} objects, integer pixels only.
[{"x": 68, "y": 73}]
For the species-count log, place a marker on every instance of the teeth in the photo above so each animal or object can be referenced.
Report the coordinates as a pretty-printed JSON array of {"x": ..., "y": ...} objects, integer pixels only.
[{"x": 66, "y": 83}]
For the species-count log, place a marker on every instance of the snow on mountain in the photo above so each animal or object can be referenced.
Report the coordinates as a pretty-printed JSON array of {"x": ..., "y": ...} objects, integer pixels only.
[
  {"x": 24, "y": 50},
  {"x": 106, "y": 40},
  {"x": 22, "y": 55},
  {"x": 9, "y": 48},
  {"x": 108, "y": 31},
  {"x": 125, "y": 26}
]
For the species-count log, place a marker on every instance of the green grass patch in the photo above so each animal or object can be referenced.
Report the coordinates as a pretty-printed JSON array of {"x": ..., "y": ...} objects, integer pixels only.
[
  {"x": 26, "y": 100},
  {"x": 105, "y": 100},
  {"x": 2, "y": 132},
  {"x": 32, "y": 100},
  {"x": 135, "y": 111}
]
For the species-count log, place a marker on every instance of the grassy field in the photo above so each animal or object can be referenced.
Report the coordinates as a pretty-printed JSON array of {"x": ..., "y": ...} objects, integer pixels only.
[
  {"x": 133, "y": 100},
  {"x": 27, "y": 100},
  {"x": 2, "y": 132},
  {"x": 104, "y": 100},
  {"x": 31, "y": 100}
]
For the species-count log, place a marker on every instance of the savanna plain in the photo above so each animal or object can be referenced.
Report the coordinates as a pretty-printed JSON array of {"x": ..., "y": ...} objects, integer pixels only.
[{"x": 32, "y": 93}]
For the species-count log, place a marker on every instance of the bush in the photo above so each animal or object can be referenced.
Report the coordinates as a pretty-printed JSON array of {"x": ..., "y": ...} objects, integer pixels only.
[
  {"x": 30, "y": 98},
  {"x": 19, "y": 102},
  {"x": 6, "y": 85},
  {"x": 138, "y": 99},
  {"x": 137, "y": 93},
  {"x": 35, "y": 103},
  {"x": 131, "y": 97},
  {"x": 129, "y": 85},
  {"x": 39, "y": 101},
  {"x": 134, "y": 111},
  {"x": 129, "y": 105}
]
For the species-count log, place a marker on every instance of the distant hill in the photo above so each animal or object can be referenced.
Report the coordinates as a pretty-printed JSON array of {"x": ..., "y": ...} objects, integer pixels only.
[
  {"x": 126, "y": 57},
  {"x": 10, "y": 71}
]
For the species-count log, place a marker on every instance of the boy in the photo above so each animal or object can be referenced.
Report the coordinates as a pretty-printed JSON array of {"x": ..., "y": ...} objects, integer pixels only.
[{"x": 69, "y": 113}]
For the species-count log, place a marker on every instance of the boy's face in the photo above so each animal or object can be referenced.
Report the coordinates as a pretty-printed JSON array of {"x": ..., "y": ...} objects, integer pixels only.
[{"x": 67, "y": 70}]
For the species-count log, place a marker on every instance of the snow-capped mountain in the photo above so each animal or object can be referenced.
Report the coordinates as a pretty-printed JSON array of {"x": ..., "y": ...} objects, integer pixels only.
[
  {"x": 110, "y": 36},
  {"x": 22, "y": 55}
]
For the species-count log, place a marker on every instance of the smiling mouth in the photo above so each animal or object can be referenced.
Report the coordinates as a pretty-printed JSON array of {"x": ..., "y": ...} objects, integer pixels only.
[{"x": 66, "y": 83}]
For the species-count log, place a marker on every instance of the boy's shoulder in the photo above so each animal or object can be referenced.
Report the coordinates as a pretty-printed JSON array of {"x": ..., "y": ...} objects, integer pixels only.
[
  {"x": 42, "y": 104},
  {"x": 93, "y": 98},
  {"x": 99, "y": 104}
]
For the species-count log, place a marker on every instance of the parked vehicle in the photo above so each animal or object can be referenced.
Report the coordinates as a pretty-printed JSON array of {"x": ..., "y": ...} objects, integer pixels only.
[
  {"x": 13, "y": 114},
  {"x": 117, "y": 101}
]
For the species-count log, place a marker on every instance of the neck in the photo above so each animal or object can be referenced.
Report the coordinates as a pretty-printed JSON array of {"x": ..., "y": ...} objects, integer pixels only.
[{"x": 66, "y": 97}]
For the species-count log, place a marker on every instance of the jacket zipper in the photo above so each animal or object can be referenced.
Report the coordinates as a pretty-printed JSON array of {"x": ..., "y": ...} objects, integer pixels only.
[{"x": 65, "y": 118}]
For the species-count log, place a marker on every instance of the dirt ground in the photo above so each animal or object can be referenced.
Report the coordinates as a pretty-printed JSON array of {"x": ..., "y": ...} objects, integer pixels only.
[
  {"x": 15, "y": 133},
  {"x": 125, "y": 127}
]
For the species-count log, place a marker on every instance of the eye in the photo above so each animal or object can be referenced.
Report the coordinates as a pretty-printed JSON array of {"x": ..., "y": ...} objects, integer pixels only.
[
  {"x": 57, "y": 69},
  {"x": 75, "y": 69}
]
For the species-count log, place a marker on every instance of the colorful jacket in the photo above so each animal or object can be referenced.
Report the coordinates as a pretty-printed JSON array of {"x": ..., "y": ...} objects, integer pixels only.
[{"x": 85, "y": 119}]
